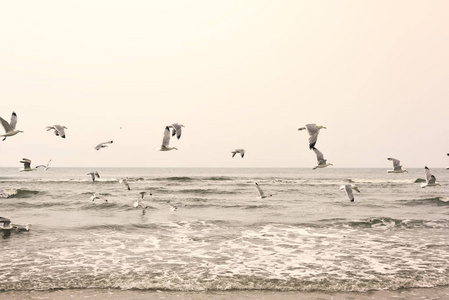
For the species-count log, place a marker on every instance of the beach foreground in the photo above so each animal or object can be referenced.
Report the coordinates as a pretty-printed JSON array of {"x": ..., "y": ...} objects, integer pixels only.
[{"x": 111, "y": 294}]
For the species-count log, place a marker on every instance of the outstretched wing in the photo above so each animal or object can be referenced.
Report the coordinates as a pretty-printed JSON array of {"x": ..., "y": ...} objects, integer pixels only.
[
  {"x": 429, "y": 175},
  {"x": 319, "y": 155},
  {"x": 166, "y": 138},
  {"x": 396, "y": 163},
  {"x": 60, "y": 130},
  {"x": 349, "y": 192},
  {"x": 259, "y": 189},
  {"x": 5, "y": 125},
  {"x": 13, "y": 122}
]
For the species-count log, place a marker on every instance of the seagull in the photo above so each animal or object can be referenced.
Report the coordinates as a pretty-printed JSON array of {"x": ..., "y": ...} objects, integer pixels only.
[
  {"x": 20, "y": 228},
  {"x": 430, "y": 179},
  {"x": 27, "y": 165},
  {"x": 447, "y": 168},
  {"x": 95, "y": 197},
  {"x": 173, "y": 207},
  {"x": 46, "y": 167},
  {"x": 313, "y": 130},
  {"x": 166, "y": 141},
  {"x": 397, "y": 166},
  {"x": 138, "y": 203},
  {"x": 103, "y": 145},
  {"x": 125, "y": 182},
  {"x": 10, "y": 128},
  {"x": 143, "y": 194},
  {"x": 320, "y": 158},
  {"x": 58, "y": 130},
  {"x": 348, "y": 188},
  {"x": 176, "y": 129},
  {"x": 94, "y": 174},
  {"x": 241, "y": 151},
  {"x": 262, "y": 195}
]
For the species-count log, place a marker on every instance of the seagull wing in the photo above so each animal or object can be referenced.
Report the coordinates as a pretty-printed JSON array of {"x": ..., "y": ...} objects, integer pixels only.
[
  {"x": 13, "y": 122},
  {"x": 259, "y": 189},
  {"x": 429, "y": 175},
  {"x": 60, "y": 130},
  {"x": 396, "y": 162},
  {"x": 166, "y": 138},
  {"x": 5, "y": 125},
  {"x": 96, "y": 174},
  {"x": 313, "y": 132},
  {"x": 177, "y": 130},
  {"x": 348, "y": 190},
  {"x": 319, "y": 155}
]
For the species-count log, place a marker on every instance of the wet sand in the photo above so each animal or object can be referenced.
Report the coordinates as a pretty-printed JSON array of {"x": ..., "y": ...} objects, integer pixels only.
[{"x": 111, "y": 294}]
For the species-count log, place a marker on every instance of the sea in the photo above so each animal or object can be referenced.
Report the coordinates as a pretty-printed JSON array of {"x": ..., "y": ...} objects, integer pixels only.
[{"x": 205, "y": 235}]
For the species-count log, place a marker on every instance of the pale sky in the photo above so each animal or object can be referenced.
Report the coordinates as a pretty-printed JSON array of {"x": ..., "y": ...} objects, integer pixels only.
[{"x": 237, "y": 74}]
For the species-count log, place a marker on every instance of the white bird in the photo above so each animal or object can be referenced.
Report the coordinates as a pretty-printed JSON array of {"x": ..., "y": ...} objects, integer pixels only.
[
  {"x": 27, "y": 165},
  {"x": 10, "y": 128},
  {"x": 93, "y": 175},
  {"x": 348, "y": 188},
  {"x": 261, "y": 193},
  {"x": 166, "y": 141},
  {"x": 95, "y": 197},
  {"x": 138, "y": 203},
  {"x": 177, "y": 128},
  {"x": 322, "y": 163},
  {"x": 397, "y": 168},
  {"x": 46, "y": 167},
  {"x": 5, "y": 223},
  {"x": 241, "y": 151},
  {"x": 103, "y": 145},
  {"x": 125, "y": 182},
  {"x": 58, "y": 130},
  {"x": 313, "y": 130},
  {"x": 430, "y": 179},
  {"x": 173, "y": 207}
]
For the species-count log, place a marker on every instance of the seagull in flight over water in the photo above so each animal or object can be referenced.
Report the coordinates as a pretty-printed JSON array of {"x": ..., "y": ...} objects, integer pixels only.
[
  {"x": 27, "y": 165},
  {"x": 261, "y": 193},
  {"x": 322, "y": 163},
  {"x": 46, "y": 167},
  {"x": 348, "y": 188},
  {"x": 93, "y": 175},
  {"x": 103, "y": 145},
  {"x": 10, "y": 128},
  {"x": 241, "y": 151},
  {"x": 166, "y": 141},
  {"x": 430, "y": 179},
  {"x": 58, "y": 130},
  {"x": 313, "y": 130},
  {"x": 125, "y": 182},
  {"x": 397, "y": 168}
]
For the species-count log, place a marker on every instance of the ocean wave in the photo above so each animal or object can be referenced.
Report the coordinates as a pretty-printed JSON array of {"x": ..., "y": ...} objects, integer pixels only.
[
  {"x": 436, "y": 201},
  {"x": 18, "y": 193}
]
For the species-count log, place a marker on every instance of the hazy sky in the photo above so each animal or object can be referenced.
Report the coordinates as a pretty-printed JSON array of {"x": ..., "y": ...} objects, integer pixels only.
[{"x": 237, "y": 74}]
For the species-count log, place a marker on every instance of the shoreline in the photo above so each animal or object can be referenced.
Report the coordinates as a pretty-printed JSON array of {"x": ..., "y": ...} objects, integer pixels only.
[{"x": 116, "y": 294}]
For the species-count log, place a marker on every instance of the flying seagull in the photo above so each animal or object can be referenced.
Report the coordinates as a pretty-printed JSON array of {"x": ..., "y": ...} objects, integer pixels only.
[
  {"x": 125, "y": 182},
  {"x": 138, "y": 203},
  {"x": 261, "y": 193},
  {"x": 10, "y": 128},
  {"x": 46, "y": 167},
  {"x": 95, "y": 197},
  {"x": 348, "y": 188},
  {"x": 322, "y": 163},
  {"x": 397, "y": 168},
  {"x": 5, "y": 223},
  {"x": 176, "y": 130},
  {"x": 27, "y": 165},
  {"x": 241, "y": 151},
  {"x": 313, "y": 130},
  {"x": 93, "y": 175},
  {"x": 166, "y": 141},
  {"x": 103, "y": 145},
  {"x": 430, "y": 179},
  {"x": 58, "y": 130}
]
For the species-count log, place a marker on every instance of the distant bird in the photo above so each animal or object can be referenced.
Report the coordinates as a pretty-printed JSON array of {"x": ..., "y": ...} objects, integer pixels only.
[
  {"x": 176, "y": 129},
  {"x": 103, "y": 145},
  {"x": 20, "y": 228},
  {"x": 173, "y": 207},
  {"x": 447, "y": 168},
  {"x": 26, "y": 165},
  {"x": 46, "y": 167},
  {"x": 58, "y": 130},
  {"x": 93, "y": 175},
  {"x": 95, "y": 197},
  {"x": 397, "y": 168},
  {"x": 313, "y": 130},
  {"x": 142, "y": 194},
  {"x": 322, "y": 163},
  {"x": 261, "y": 193},
  {"x": 241, "y": 151},
  {"x": 138, "y": 203},
  {"x": 430, "y": 179},
  {"x": 166, "y": 141},
  {"x": 348, "y": 188},
  {"x": 10, "y": 128},
  {"x": 125, "y": 182}
]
